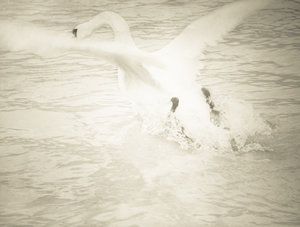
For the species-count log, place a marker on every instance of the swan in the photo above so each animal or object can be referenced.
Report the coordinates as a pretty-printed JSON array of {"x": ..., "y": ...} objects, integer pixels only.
[{"x": 153, "y": 78}]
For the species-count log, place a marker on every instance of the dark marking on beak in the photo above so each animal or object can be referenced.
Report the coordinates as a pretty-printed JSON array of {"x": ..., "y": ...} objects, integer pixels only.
[{"x": 74, "y": 32}]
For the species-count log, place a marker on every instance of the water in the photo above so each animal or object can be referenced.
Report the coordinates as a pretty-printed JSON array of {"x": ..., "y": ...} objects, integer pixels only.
[{"x": 73, "y": 153}]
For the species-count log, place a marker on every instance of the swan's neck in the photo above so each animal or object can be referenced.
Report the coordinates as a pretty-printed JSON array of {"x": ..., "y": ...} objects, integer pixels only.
[{"x": 117, "y": 23}]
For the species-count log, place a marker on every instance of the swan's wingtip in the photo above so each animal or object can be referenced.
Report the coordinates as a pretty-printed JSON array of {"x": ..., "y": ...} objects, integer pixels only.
[{"x": 74, "y": 32}]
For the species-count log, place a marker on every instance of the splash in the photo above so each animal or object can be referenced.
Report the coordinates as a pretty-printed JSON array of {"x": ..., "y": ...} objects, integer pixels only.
[
  {"x": 238, "y": 121},
  {"x": 238, "y": 125}
]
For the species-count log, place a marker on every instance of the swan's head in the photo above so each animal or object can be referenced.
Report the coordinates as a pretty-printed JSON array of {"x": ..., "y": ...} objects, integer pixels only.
[
  {"x": 115, "y": 21},
  {"x": 82, "y": 31},
  {"x": 175, "y": 102}
]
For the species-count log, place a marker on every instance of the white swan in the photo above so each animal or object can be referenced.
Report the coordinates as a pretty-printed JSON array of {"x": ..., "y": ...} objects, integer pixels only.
[{"x": 154, "y": 78}]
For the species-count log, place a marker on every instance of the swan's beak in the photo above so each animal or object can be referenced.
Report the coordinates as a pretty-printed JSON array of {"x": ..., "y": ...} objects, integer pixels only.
[{"x": 74, "y": 32}]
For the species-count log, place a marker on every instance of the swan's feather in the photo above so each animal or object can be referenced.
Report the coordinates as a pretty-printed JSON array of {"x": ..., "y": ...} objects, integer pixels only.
[
  {"x": 187, "y": 48},
  {"x": 173, "y": 68},
  {"x": 134, "y": 63}
]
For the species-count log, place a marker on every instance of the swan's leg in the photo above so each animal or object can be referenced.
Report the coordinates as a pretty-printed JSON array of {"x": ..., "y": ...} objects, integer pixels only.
[
  {"x": 74, "y": 32},
  {"x": 215, "y": 117},
  {"x": 214, "y": 114},
  {"x": 175, "y": 102},
  {"x": 206, "y": 93}
]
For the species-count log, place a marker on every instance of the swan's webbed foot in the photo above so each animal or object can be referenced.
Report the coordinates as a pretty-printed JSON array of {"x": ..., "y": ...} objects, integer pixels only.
[
  {"x": 175, "y": 102},
  {"x": 206, "y": 93},
  {"x": 74, "y": 32},
  {"x": 215, "y": 115},
  {"x": 174, "y": 128}
]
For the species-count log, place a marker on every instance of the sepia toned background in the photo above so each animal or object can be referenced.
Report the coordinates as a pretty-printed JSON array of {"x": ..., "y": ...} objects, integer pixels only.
[{"x": 73, "y": 153}]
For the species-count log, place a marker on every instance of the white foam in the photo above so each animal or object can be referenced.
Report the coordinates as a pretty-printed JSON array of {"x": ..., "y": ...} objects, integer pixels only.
[{"x": 239, "y": 123}]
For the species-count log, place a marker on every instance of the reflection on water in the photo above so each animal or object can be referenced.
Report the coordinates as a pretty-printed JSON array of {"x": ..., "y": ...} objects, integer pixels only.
[{"x": 73, "y": 153}]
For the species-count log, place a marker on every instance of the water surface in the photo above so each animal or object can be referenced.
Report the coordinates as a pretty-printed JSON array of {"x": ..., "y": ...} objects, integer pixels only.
[{"x": 73, "y": 153}]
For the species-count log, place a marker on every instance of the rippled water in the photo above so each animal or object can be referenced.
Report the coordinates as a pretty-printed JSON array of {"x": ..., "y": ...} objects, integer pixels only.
[{"x": 74, "y": 154}]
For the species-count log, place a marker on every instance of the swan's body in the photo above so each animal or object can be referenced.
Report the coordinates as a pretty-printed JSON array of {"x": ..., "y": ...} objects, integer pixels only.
[{"x": 154, "y": 78}]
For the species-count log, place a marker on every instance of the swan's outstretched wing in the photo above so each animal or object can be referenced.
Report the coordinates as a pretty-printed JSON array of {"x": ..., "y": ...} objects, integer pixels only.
[
  {"x": 135, "y": 63},
  {"x": 188, "y": 46}
]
